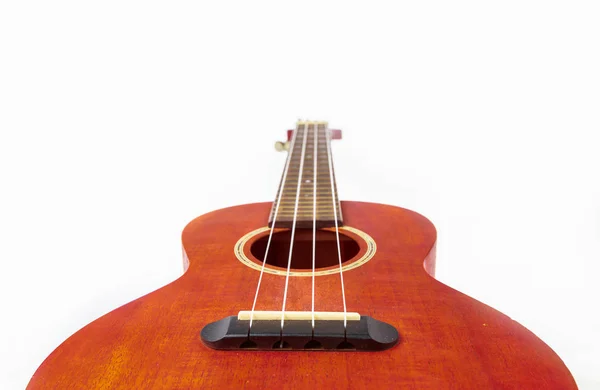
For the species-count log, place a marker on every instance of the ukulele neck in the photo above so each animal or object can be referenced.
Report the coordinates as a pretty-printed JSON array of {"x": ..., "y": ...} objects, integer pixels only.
[{"x": 307, "y": 190}]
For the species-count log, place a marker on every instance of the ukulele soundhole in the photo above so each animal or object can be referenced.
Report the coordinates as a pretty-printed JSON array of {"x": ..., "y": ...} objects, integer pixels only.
[{"x": 326, "y": 249}]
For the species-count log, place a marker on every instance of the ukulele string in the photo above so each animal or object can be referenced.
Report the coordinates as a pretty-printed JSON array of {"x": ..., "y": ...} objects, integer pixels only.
[
  {"x": 314, "y": 237},
  {"x": 289, "y": 265},
  {"x": 337, "y": 231},
  {"x": 278, "y": 202}
]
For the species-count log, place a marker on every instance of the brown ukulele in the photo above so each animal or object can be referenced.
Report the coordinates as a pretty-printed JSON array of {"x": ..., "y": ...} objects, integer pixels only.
[{"x": 305, "y": 292}]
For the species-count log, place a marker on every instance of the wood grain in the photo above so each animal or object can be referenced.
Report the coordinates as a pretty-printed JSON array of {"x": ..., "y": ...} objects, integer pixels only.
[{"x": 449, "y": 340}]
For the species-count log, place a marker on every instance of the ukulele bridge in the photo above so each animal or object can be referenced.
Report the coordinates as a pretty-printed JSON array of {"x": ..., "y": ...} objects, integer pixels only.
[{"x": 362, "y": 333}]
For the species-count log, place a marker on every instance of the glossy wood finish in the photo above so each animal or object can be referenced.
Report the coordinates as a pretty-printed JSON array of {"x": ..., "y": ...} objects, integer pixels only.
[{"x": 449, "y": 340}]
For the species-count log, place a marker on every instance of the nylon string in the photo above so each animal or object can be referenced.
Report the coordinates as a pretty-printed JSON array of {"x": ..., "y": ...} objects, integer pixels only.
[
  {"x": 262, "y": 268},
  {"x": 314, "y": 237},
  {"x": 287, "y": 275},
  {"x": 337, "y": 231}
]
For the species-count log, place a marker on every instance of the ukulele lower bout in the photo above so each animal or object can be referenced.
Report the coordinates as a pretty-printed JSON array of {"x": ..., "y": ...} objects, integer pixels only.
[
  {"x": 447, "y": 339},
  {"x": 297, "y": 332}
]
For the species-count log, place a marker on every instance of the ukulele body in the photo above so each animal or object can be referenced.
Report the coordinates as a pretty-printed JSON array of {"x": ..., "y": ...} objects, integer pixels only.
[{"x": 447, "y": 339}]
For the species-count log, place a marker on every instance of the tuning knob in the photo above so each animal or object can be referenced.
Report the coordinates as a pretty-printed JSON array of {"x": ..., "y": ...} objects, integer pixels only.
[{"x": 282, "y": 146}]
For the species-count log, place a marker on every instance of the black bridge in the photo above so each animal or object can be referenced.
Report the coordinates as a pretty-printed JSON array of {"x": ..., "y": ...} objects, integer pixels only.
[{"x": 367, "y": 334}]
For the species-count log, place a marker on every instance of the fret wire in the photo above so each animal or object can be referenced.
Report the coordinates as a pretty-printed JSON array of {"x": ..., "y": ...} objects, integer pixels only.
[
  {"x": 286, "y": 193},
  {"x": 308, "y": 200}
]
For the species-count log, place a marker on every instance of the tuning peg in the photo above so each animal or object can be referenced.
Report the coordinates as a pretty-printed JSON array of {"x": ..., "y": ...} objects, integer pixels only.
[{"x": 282, "y": 146}]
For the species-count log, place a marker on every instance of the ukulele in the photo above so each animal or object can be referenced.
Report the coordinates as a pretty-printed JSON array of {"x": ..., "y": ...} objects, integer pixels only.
[{"x": 305, "y": 292}]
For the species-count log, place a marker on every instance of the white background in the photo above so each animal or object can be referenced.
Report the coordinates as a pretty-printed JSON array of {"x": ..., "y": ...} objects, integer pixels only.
[{"x": 122, "y": 121}]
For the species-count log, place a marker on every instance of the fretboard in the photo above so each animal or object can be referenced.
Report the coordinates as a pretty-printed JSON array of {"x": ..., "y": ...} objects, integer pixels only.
[{"x": 298, "y": 198}]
